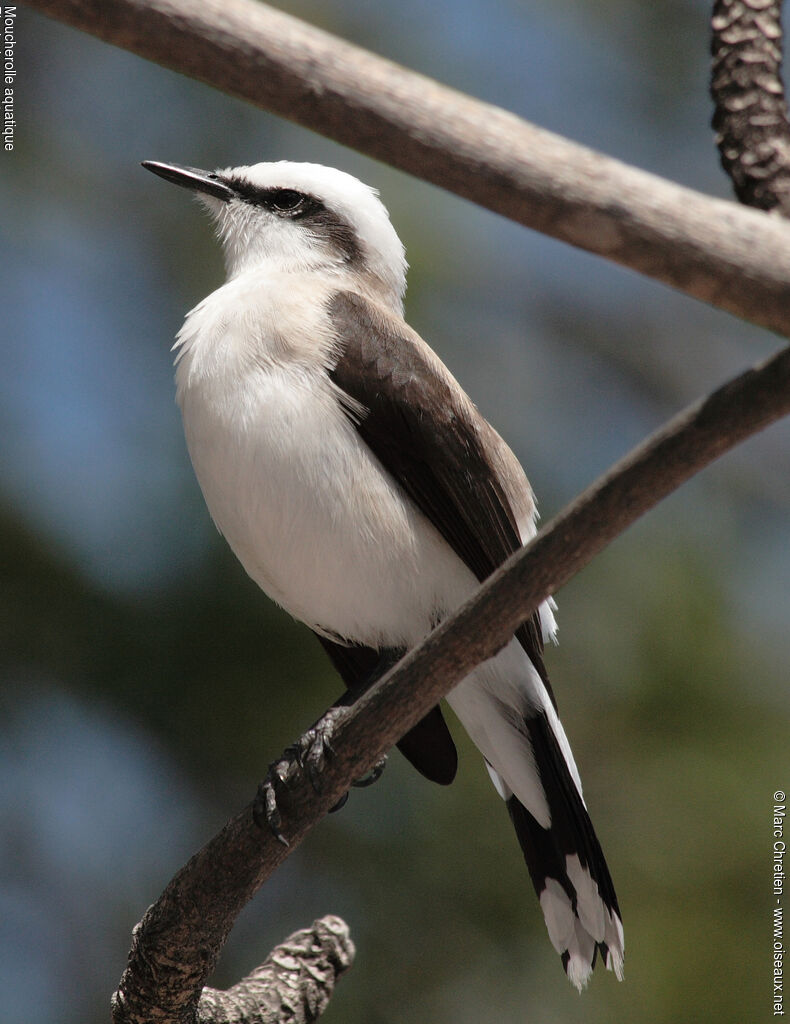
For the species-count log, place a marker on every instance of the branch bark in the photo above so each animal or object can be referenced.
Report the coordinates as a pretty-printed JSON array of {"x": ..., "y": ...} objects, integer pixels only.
[
  {"x": 294, "y": 984},
  {"x": 752, "y": 130},
  {"x": 731, "y": 257},
  {"x": 177, "y": 943}
]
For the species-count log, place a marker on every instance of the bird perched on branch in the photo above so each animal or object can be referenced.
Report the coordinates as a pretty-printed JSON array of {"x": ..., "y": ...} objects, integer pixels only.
[{"x": 362, "y": 490}]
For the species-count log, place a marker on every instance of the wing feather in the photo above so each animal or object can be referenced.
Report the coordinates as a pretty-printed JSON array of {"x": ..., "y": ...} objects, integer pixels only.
[{"x": 429, "y": 436}]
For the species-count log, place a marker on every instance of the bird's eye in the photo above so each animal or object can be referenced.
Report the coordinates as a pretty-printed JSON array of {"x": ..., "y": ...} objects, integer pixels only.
[{"x": 287, "y": 200}]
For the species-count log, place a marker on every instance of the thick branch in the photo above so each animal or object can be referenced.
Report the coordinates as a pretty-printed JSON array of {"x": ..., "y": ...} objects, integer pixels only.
[
  {"x": 177, "y": 942},
  {"x": 716, "y": 251},
  {"x": 752, "y": 130}
]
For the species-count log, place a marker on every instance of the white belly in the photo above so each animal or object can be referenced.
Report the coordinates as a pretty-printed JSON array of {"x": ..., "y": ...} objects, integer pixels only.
[{"x": 311, "y": 514}]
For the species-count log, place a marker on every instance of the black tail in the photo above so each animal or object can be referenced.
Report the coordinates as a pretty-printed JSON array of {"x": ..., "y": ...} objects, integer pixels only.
[{"x": 567, "y": 865}]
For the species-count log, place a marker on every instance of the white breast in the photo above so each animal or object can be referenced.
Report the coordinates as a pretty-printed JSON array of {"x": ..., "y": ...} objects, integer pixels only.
[{"x": 307, "y": 509}]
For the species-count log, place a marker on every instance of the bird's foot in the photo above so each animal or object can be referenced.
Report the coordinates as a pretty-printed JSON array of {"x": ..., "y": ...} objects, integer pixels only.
[
  {"x": 310, "y": 754},
  {"x": 373, "y": 775},
  {"x": 265, "y": 809},
  {"x": 367, "y": 780}
]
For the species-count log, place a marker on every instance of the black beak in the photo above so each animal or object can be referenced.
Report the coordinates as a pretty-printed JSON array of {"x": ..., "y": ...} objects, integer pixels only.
[{"x": 192, "y": 178}]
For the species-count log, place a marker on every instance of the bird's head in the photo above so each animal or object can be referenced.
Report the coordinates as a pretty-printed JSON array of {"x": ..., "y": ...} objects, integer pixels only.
[{"x": 301, "y": 217}]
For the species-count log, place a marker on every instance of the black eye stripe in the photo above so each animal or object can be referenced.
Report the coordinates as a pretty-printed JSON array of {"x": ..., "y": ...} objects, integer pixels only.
[
  {"x": 285, "y": 202},
  {"x": 291, "y": 204}
]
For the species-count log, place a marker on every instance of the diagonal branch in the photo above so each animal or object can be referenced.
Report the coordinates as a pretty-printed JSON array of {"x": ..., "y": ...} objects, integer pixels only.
[
  {"x": 177, "y": 943},
  {"x": 716, "y": 251}
]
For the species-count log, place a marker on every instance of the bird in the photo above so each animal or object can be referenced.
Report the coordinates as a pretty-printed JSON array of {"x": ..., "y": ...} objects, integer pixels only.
[{"x": 363, "y": 491}]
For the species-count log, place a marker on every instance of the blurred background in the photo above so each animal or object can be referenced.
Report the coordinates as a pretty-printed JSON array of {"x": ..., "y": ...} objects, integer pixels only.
[{"x": 145, "y": 683}]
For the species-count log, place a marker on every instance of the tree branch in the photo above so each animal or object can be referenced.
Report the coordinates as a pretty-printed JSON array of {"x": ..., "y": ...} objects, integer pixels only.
[
  {"x": 752, "y": 130},
  {"x": 177, "y": 943},
  {"x": 294, "y": 984},
  {"x": 728, "y": 256}
]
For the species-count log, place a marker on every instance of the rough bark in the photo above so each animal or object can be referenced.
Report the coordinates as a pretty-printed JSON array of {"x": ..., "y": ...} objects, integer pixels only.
[
  {"x": 294, "y": 983},
  {"x": 750, "y": 118}
]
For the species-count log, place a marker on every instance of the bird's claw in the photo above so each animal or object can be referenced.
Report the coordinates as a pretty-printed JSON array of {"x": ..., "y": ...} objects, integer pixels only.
[
  {"x": 367, "y": 780},
  {"x": 373, "y": 775},
  {"x": 265, "y": 810},
  {"x": 309, "y": 754}
]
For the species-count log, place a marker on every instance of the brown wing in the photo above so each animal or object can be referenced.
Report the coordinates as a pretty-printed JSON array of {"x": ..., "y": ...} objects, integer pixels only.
[{"x": 430, "y": 438}]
